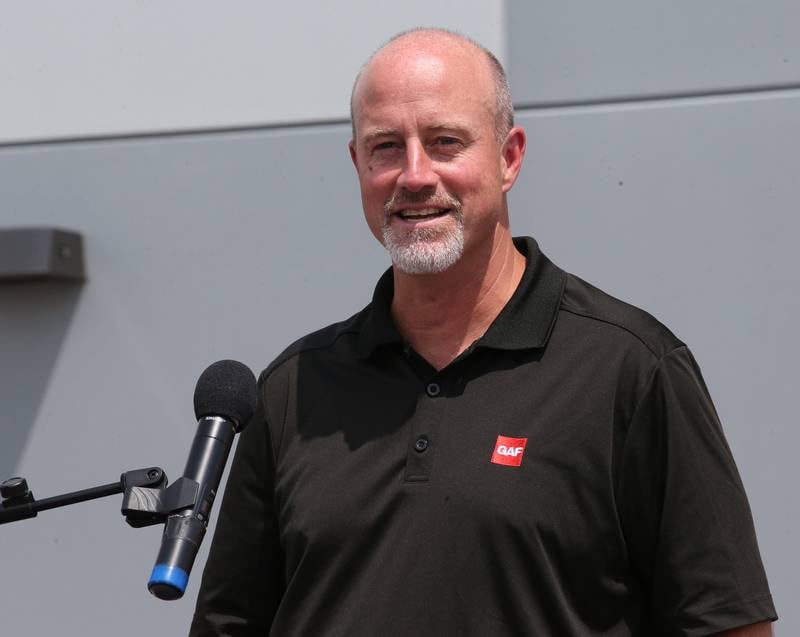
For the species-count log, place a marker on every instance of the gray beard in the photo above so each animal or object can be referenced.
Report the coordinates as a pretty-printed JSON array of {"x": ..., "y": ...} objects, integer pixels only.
[{"x": 425, "y": 250}]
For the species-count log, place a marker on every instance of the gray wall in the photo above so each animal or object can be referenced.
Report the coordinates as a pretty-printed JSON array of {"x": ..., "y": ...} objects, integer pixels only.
[
  {"x": 143, "y": 66},
  {"x": 662, "y": 166}
]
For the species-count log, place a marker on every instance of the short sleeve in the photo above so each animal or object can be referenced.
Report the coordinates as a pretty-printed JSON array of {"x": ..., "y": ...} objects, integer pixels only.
[
  {"x": 243, "y": 577},
  {"x": 684, "y": 512}
]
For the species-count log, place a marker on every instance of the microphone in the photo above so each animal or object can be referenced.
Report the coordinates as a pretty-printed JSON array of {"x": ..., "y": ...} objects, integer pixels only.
[{"x": 225, "y": 399}]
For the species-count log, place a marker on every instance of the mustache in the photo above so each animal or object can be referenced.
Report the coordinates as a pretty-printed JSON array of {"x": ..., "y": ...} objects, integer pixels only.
[{"x": 404, "y": 198}]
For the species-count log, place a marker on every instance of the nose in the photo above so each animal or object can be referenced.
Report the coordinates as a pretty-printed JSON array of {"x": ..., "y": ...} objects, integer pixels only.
[{"x": 418, "y": 171}]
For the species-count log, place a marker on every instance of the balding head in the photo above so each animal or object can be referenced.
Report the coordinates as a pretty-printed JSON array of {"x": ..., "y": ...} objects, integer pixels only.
[
  {"x": 435, "y": 151},
  {"x": 442, "y": 42}
]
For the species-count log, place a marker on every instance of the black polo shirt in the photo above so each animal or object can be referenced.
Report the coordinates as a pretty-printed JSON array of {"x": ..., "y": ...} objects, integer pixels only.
[{"x": 566, "y": 475}]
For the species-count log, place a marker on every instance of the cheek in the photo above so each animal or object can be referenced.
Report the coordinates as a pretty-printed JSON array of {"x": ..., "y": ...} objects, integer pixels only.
[
  {"x": 373, "y": 215},
  {"x": 373, "y": 196},
  {"x": 377, "y": 186},
  {"x": 375, "y": 227},
  {"x": 474, "y": 186}
]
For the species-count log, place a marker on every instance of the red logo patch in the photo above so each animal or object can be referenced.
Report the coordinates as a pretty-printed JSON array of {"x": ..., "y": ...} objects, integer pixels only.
[{"x": 508, "y": 451}]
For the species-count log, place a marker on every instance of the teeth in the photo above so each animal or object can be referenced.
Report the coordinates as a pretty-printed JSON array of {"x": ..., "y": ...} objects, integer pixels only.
[{"x": 414, "y": 214}]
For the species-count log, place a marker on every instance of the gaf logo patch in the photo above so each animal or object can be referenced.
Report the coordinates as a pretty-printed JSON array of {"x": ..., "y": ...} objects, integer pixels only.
[{"x": 508, "y": 451}]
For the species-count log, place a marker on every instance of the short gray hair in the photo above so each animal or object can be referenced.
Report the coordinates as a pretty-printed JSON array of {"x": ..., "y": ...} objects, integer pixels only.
[{"x": 504, "y": 108}]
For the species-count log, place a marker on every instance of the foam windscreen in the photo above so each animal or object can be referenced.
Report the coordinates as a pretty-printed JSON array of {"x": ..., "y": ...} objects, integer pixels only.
[{"x": 227, "y": 389}]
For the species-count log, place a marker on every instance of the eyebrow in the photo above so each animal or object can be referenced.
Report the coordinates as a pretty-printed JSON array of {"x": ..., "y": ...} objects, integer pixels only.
[
  {"x": 380, "y": 132},
  {"x": 456, "y": 127}
]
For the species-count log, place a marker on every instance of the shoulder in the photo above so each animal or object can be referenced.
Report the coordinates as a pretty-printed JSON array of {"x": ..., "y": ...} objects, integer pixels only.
[
  {"x": 278, "y": 382},
  {"x": 320, "y": 340},
  {"x": 595, "y": 310}
]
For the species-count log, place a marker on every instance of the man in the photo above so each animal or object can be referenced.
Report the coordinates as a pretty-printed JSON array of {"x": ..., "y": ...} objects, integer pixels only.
[{"x": 492, "y": 447}]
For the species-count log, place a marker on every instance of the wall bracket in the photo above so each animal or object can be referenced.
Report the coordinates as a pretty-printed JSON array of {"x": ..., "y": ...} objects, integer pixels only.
[{"x": 30, "y": 254}]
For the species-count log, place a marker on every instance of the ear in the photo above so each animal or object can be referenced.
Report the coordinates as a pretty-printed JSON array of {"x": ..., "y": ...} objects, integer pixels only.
[
  {"x": 351, "y": 146},
  {"x": 511, "y": 155}
]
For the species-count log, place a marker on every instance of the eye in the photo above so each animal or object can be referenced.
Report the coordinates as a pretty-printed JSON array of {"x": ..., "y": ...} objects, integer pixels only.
[
  {"x": 388, "y": 145},
  {"x": 447, "y": 144}
]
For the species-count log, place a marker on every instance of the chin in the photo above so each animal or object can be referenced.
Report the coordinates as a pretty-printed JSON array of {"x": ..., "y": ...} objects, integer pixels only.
[{"x": 424, "y": 255}]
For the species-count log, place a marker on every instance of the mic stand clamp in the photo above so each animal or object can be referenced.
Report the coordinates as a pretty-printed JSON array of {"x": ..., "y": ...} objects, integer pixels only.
[{"x": 143, "y": 506}]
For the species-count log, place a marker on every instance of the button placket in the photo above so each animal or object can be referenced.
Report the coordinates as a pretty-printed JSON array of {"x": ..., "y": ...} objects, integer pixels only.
[
  {"x": 423, "y": 430},
  {"x": 421, "y": 447}
]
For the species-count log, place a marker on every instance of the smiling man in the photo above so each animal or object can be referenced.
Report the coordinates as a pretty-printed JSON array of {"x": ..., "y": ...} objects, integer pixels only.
[{"x": 492, "y": 447}]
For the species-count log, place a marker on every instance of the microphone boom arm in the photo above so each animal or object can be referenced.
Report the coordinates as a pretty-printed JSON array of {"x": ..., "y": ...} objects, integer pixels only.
[{"x": 145, "y": 500}]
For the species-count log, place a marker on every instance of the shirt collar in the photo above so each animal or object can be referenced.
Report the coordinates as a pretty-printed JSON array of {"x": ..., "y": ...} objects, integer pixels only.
[{"x": 525, "y": 322}]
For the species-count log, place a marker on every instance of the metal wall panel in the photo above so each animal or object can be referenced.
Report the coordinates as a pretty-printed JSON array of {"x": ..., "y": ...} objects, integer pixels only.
[
  {"x": 89, "y": 67},
  {"x": 197, "y": 248},
  {"x": 568, "y": 51},
  {"x": 688, "y": 208},
  {"x": 214, "y": 246}
]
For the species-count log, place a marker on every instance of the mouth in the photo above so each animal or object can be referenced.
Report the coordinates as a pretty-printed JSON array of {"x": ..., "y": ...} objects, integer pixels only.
[{"x": 422, "y": 214}]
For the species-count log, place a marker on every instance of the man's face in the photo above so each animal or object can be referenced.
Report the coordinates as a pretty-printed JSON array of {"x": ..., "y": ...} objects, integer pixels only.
[{"x": 426, "y": 153}]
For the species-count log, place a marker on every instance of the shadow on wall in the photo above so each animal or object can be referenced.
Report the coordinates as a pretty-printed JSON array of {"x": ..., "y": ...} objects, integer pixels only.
[{"x": 34, "y": 319}]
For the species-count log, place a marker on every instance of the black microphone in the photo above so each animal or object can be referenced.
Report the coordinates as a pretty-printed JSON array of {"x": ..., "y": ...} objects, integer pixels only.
[{"x": 225, "y": 399}]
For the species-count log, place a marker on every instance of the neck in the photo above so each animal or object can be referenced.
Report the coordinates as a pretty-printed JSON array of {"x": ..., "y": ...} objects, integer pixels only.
[{"x": 442, "y": 314}]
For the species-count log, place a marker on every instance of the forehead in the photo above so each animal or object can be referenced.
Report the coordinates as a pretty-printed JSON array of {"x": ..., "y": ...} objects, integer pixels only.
[{"x": 422, "y": 82}]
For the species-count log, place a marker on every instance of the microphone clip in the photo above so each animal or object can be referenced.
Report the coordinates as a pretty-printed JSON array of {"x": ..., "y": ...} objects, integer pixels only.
[{"x": 144, "y": 506}]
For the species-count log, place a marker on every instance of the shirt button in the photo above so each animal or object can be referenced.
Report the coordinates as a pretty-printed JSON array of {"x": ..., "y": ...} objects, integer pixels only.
[
  {"x": 421, "y": 444},
  {"x": 433, "y": 389}
]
